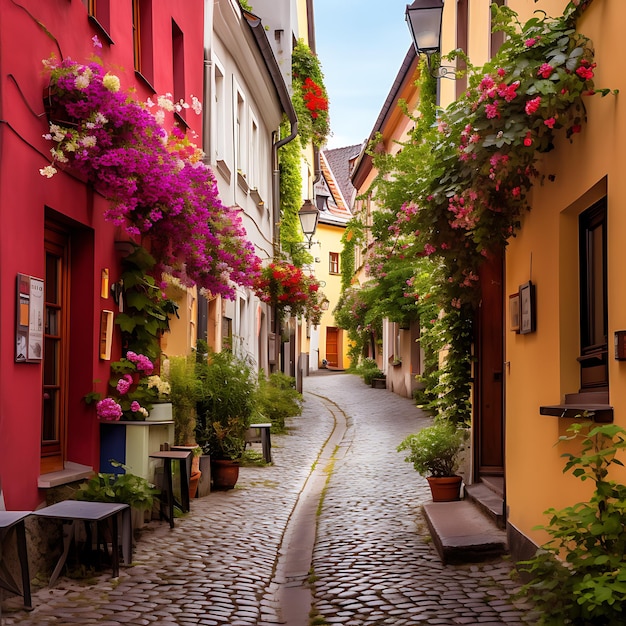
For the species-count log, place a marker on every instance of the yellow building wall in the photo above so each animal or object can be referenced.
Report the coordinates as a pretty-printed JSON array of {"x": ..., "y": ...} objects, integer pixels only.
[
  {"x": 329, "y": 237},
  {"x": 542, "y": 367}
]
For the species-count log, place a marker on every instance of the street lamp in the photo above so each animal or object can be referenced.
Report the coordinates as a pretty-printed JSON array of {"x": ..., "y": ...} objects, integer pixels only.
[
  {"x": 308, "y": 215},
  {"x": 424, "y": 20}
]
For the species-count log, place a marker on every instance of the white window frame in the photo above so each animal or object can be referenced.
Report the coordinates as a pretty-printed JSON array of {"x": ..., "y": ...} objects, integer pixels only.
[{"x": 219, "y": 111}]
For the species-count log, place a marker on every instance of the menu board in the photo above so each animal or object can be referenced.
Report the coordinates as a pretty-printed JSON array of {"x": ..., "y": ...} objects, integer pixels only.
[{"x": 29, "y": 319}]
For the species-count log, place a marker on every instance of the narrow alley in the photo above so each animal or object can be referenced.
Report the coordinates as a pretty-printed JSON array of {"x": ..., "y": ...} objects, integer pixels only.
[{"x": 371, "y": 562}]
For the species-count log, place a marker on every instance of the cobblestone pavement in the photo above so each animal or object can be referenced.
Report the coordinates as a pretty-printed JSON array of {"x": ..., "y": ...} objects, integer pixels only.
[{"x": 372, "y": 562}]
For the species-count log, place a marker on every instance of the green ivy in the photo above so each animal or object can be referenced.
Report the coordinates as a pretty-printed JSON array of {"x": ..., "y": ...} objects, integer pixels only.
[
  {"x": 312, "y": 125},
  {"x": 146, "y": 311},
  {"x": 291, "y": 200}
]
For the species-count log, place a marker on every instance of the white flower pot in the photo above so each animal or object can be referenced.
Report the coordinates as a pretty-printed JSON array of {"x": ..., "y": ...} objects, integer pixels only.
[{"x": 160, "y": 412}]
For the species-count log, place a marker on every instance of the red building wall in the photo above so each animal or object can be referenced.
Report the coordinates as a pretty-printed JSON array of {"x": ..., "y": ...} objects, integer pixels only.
[{"x": 31, "y": 30}]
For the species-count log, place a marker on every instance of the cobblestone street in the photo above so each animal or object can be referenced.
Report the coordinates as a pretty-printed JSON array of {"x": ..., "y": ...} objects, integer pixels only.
[{"x": 372, "y": 561}]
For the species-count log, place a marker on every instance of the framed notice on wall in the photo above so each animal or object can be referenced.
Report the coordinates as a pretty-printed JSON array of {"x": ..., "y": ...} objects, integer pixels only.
[{"x": 29, "y": 322}]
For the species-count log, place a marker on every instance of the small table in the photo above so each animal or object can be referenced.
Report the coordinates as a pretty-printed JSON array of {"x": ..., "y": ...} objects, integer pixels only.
[
  {"x": 74, "y": 511},
  {"x": 167, "y": 494},
  {"x": 260, "y": 433},
  {"x": 9, "y": 520}
]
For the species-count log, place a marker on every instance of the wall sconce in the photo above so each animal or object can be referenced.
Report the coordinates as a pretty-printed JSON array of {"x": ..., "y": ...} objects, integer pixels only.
[
  {"x": 424, "y": 20},
  {"x": 324, "y": 305},
  {"x": 308, "y": 214},
  {"x": 104, "y": 283}
]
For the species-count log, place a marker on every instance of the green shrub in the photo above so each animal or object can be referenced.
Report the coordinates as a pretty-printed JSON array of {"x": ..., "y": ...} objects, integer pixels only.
[
  {"x": 588, "y": 587},
  {"x": 278, "y": 399},
  {"x": 368, "y": 370},
  {"x": 125, "y": 488},
  {"x": 227, "y": 401}
]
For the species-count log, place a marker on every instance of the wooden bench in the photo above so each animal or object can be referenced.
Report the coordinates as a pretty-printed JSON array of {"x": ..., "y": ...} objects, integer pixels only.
[{"x": 260, "y": 433}]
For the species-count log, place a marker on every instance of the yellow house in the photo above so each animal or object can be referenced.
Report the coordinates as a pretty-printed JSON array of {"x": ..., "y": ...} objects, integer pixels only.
[
  {"x": 562, "y": 302},
  {"x": 334, "y": 195}
]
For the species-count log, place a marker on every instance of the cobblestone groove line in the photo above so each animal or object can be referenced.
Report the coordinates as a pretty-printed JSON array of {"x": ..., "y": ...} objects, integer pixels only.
[
  {"x": 296, "y": 551},
  {"x": 373, "y": 562}
]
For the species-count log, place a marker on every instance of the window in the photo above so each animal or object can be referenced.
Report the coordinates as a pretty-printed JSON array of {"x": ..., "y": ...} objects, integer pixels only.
[
  {"x": 142, "y": 39},
  {"x": 178, "y": 67},
  {"x": 240, "y": 133},
  {"x": 333, "y": 262},
  {"x": 55, "y": 357},
  {"x": 253, "y": 170},
  {"x": 593, "y": 298},
  {"x": 321, "y": 202},
  {"x": 219, "y": 115},
  {"x": 99, "y": 12}
]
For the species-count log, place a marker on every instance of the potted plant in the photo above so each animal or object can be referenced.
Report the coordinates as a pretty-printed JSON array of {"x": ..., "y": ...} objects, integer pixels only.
[
  {"x": 227, "y": 398},
  {"x": 434, "y": 453},
  {"x": 126, "y": 488}
]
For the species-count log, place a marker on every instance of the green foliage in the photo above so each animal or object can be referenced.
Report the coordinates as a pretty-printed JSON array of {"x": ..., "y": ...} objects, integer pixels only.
[
  {"x": 146, "y": 310},
  {"x": 588, "y": 588},
  {"x": 278, "y": 399},
  {"x": 291, "y": 200},
  {"x": 312, "y": 111},
  {"x": 434, "y": 450},
  {"x": 367, "y": 369},
  {"x": 457, "y": 190},
  {"x": 184, "y": 395},
  {"x": 125, "y": 488},
  {"x": 351, "y": 238},
  {"x": 227, "y": 401}
]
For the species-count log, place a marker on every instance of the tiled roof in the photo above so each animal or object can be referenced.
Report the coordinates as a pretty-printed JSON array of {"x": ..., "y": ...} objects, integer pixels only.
[
  {"x": 340, "y": 161},
  {"x": 338, "y": 209}
]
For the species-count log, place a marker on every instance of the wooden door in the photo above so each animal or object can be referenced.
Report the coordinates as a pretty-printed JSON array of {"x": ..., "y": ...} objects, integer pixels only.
[
  {"x": 332, "y": 346},
  {"x": 489, "y": 405},
  {"x": 55, "y": 356}
]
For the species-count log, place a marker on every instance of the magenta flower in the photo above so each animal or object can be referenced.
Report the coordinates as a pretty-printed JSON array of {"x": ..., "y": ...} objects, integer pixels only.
[
  {"x": 108, "y": 409},
  {"x": 550, "y": 122},
  {"x": 155, "y": 181},
  {"x": 123, "y": 384}
]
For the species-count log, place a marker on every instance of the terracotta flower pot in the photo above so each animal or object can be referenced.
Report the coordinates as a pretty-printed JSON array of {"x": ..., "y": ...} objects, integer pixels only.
[
  {"x": 224, "y": 473},
  {"x": 445, "y": 489},
  {"x": 193, "y": 483}
]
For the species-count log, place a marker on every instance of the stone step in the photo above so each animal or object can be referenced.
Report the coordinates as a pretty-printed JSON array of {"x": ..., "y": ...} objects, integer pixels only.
[
  {"x": 489, "y": 500},
  {"x": 462, "y": 533}
]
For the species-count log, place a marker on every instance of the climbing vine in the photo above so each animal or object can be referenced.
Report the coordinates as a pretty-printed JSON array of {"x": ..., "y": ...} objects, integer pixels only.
[{"x": 458, "y": 189}]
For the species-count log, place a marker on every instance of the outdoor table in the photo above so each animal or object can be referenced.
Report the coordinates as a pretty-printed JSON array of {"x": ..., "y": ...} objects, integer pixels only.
[
  {"x": 74, "y": 511},
  {"x": 15, "y": 520},
  {"x": 167, "y": 492},
  {"x": 260, "y": 433}
]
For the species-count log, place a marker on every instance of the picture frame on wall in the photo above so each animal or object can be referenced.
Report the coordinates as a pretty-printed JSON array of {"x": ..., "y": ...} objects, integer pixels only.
[
  {"x": 514, "y": 321},
  {"x": 527, "y": 305}
]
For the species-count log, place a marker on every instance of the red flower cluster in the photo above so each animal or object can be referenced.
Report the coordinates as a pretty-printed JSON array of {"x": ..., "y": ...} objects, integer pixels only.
[
  {"x": 285, "y": 285},
  {"x": 314, "y": 98}
]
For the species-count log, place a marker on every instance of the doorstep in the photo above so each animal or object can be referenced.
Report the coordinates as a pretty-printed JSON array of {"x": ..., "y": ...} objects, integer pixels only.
[{"x": 462, "y": 533}]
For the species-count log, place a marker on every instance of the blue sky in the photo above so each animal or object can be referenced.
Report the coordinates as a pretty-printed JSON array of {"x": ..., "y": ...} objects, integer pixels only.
[{"x": 361, "y": 45}]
